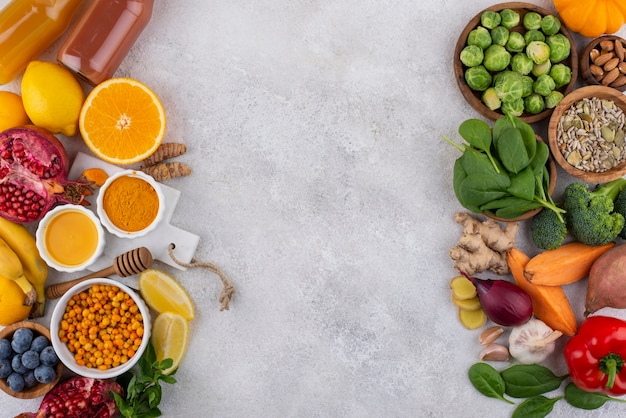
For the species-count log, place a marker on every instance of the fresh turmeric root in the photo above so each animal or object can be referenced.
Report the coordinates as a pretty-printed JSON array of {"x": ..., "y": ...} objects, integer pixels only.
[
  {"x": 165, "y": 151},
  {"x": 483, "y": 245},
  {"x": 168, "y": 170}
]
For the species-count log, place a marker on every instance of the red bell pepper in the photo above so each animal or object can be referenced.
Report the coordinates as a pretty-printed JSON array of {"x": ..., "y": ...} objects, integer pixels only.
[{"x": 595, "y": 356}]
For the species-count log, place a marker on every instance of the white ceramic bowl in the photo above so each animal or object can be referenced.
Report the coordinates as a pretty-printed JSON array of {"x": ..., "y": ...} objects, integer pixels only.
[
  {"x": 64, "y": 354},
  {"x": 104, "y": 217},
  {"x": 72, "y": 235}
]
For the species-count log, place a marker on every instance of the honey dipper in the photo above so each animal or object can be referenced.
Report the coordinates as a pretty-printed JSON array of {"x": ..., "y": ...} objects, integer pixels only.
[{"x": 131, "y": 262}]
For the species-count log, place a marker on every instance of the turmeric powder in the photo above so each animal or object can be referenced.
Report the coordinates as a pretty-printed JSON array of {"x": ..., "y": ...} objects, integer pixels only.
[{"x": 131, "y": 203}]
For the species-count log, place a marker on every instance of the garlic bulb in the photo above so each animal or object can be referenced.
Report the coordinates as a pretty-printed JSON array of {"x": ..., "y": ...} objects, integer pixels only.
[{"x": 532, "y": 342}]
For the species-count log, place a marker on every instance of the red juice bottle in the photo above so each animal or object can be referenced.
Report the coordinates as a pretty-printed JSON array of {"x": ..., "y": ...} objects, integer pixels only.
[{"x": 101, "y": 39}]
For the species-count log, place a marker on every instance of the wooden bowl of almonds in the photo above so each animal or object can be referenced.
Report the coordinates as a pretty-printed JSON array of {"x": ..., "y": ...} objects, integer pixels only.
[
  {"x": 586, "y": 134},
  {"x": 603, "y": 62}
]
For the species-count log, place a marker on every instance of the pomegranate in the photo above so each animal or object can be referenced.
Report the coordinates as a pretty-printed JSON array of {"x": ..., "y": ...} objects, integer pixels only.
[
  {"x": 33, "y": 175},
  {"x": 79, "y": 397}
]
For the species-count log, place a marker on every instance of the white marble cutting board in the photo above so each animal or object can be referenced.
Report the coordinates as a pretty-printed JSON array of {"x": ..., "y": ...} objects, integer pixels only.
[{"x": 156, "y": 241}]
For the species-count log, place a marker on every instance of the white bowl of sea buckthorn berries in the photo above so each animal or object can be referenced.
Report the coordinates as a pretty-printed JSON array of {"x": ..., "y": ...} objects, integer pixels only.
[{"x": 100, "y": 328}]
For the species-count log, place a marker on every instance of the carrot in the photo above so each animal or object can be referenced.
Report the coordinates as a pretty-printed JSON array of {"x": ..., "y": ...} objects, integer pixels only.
[
  {"x": 564, "y": 265},
  {"x": 550, "y": 303}
]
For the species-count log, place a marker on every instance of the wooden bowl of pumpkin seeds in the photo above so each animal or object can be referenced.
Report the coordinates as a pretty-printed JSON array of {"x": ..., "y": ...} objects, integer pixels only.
[{"x": 586, "y": 134}]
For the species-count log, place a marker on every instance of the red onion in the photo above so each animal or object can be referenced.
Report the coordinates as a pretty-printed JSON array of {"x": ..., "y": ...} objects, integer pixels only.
[{"x": 504, "y": 302}]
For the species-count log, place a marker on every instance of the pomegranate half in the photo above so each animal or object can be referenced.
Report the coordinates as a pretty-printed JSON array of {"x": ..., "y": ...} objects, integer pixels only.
[{"x": 33, "y": 175}]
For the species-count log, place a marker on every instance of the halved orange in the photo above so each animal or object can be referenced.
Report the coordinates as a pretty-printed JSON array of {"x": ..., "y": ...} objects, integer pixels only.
[{"x": 122, "y": 121}]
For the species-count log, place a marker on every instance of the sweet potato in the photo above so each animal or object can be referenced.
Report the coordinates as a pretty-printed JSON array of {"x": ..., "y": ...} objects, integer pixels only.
[
  {"x": 550, "y": 303},
  {"x": 564, "y": 265},
  {"x": 606, "y": 285}
]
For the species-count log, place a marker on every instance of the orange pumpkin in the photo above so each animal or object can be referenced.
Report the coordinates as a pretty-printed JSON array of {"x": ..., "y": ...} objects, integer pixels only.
[{"x": 592, "y": 18}]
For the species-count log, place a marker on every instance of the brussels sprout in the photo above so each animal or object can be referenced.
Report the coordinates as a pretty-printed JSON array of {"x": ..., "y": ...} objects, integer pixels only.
[
  {"x": 522, "y": 64},
  {"x": 527, "y": 82},
  {"x": 514, "y": 108},
  {"x": 544, "y": 84},
  {"x": 499, "y": 35},
  {"x": 509, "y": 86},
  {"x": 534, "y": 104},
  {"x": 553, "y": 99},
  {"x": 471, "y": 56},
  {"x": 561, "y": 74},
  {"x": 479, "y": 37},
  {"x": 538, "y": 51},
  {"x": 532, "y": 20},
  {"x": 478, "y": 78},
  {"x": 497, "y": 58},
  {"x": 516, "y": 42},
  {"x": 540, "y": 69},
  {"x": 559, "y": 47},
  {"x": 534, "y": 35},
  {"x": 490, "y": 99},
  {"x": 490, "y": 19},
  {"x": 550, "y": 25},
  {"x": 509, "y": 18}
]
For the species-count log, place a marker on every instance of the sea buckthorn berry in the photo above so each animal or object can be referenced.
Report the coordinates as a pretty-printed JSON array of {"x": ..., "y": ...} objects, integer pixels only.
[{"x": 102, "y": 326}]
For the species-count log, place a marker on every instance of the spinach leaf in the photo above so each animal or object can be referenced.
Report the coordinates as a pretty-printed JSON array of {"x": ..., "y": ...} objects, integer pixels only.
[
  {"x": 529, "y": 137},
  {"x": 478, "y": 189},
  {"x": 579, "y": 398},
  {"x": 487, "y": 381},
  {"x": 523, "y": 184},
  {"x": 478, "y": 134},
  {"x": 512, "y": 207},
  {"x": 540, "y": 159},
  {"x": 528, "y": 380},
  {"x": 511, "y": 150},
  {"x": 459, "y": 174},
  {"x": 535, "y": 407}
]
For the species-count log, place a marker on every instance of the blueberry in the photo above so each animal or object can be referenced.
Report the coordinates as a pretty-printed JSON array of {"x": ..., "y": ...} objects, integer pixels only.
[
  {"x": 30, "y": 359},
  {"x": 39, "y": 343},
  {"x": 5, "y": 348},
  {"x": 5, "y": 368},
  {"x": 48, "y": 356},
  {"x": 15, "y": 382},
  {"x": 45, "y": 374},
  {"x": 16, "y": 363},
  {"x": 22, "y": 338},
  {"x": 29, "y": 379}
]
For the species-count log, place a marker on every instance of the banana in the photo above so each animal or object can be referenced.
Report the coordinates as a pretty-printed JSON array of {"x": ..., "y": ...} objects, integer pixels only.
[
  {"x": 11, "y": 268},
  {"x": 20, "y": 240}
]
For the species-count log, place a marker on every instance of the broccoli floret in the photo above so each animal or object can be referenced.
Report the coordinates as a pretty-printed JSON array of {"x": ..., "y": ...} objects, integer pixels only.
[
  {"x": 620, "y": 207},
  {"x": 590, "y": 215},
  {"x": 547, "y": 230}
]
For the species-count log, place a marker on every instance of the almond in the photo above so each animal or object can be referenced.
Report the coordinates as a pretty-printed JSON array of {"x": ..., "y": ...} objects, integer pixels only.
[
  {"x": 610, "y": 77},
  {"x": 607, "y": 45},
  {"x": 596, "y": 70},
  {"x": 603, "y": 58},
  {"x": 619, "y": 81},
  {"x": 610, "y": 64},
  {"x": 619, "y": 50}
]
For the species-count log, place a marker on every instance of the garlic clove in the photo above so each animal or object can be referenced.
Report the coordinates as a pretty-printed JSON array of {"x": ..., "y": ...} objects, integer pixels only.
[
  {"x": 494, "y": 352},
  {"x": 490, "y": 335}
]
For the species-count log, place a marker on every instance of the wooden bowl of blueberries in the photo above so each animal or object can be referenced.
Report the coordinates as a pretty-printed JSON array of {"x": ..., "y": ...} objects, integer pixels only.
[{"x": 29, "y": 366}]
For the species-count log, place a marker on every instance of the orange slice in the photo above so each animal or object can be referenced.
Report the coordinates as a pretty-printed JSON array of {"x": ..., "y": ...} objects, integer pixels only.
[{"x": 122, "y": 121}]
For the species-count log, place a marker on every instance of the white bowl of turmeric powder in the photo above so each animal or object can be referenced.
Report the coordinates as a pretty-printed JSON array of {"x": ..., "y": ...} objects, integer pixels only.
[{"x": 130, "y": 204}]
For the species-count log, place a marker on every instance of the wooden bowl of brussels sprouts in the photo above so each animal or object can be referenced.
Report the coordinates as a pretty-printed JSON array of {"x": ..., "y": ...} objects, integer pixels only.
[
  {"x": 586, "y": 134},
  {"x": 515, "y": 58}
]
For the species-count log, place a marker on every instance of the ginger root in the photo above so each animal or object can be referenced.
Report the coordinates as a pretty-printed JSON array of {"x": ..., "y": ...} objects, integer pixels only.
[
  {"x": 165, "y": 151},
  {"x": 168, "y": 170},
  {"x": 483, "y": 245}
]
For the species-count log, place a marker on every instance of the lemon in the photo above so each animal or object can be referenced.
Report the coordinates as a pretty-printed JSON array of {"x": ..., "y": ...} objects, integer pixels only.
[
  {"x": 170, "y": 332},
  {"x": 12, "y": 111},
  {"x": 12, "y": 308},
  {"x": 52, "y": 97},
  {"x": 163, "y": 293}
]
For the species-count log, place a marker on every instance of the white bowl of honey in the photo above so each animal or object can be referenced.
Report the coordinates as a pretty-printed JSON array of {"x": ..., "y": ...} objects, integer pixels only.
[{"x": 70, "y": 238}]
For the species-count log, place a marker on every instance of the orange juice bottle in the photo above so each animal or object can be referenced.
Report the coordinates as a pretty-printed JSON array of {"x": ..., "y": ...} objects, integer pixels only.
[
  {"x": 101, "y": 39},
  {"x": 27, "y": 28}
]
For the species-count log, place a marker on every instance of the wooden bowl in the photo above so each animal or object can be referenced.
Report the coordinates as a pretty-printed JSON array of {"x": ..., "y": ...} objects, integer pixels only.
[
  {"x": 474, "y": 97},
  {"x": 586, "y": 62},
  {"x": 41, "y": 388},
  {"x": 601, "y": 92},
  {"x": 552, "y": 169}
]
